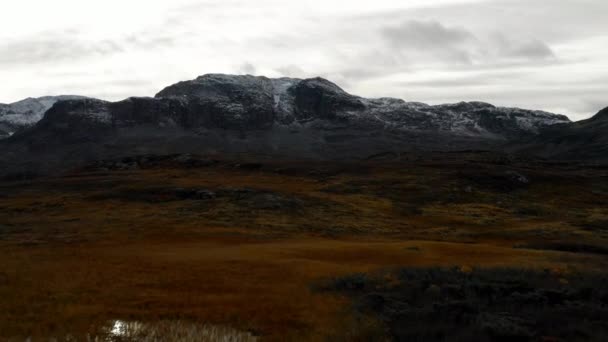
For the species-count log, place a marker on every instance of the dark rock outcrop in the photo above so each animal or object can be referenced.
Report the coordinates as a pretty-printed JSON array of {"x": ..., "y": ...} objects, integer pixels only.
[
  {"x": 20, "y": 115},
  {"x": 582, "y": 140},
  {"x": 69, "y": 122},
  {"x": 320, "y": 99},
  {"x": 228, "y": 102},
  {"x": 134, "y": 111}
]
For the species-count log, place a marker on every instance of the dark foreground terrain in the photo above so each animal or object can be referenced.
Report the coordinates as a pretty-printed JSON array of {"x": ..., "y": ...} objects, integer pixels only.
[
  {"x": 487, "y": 304},
  {"x": 420, "y": 247}
]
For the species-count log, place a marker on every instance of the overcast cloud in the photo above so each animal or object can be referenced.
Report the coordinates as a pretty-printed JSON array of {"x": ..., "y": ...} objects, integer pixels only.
[{"x": 539, "y": 54}]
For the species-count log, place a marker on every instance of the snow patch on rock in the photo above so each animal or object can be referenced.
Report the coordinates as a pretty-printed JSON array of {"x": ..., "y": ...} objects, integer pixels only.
[{"x": 28, "y": 112}]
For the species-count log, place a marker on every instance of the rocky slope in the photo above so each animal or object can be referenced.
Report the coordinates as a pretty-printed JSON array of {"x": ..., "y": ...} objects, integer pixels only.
[
  {"x": 298, "y": 118},
  {"x": 587, "y": 140},
  {"x": 26, "y": 113}
]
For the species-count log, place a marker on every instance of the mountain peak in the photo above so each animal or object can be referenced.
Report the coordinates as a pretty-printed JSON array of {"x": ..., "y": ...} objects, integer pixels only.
[{"x": 220, "y": 76}]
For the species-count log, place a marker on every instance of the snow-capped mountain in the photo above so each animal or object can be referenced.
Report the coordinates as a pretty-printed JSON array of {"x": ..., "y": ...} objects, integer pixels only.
[
  {"x": 297, "y": 118},
  {"x": 246, "y": 102},
  {"x": 26, "y": 113}
]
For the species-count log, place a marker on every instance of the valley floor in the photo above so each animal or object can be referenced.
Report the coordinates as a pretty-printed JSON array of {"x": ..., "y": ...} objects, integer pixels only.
[{"x": 249, "y": 244}]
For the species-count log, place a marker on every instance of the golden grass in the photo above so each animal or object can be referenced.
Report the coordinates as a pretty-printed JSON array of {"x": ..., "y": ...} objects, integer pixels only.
[
  {"x": 258, "y": 286},
  {"x": 70, "y": 260}
]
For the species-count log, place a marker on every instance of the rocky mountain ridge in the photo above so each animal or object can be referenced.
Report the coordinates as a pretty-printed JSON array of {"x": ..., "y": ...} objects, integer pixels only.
[
  {"x": 286, "y": 117},
  {"x": 26, "y": 113},
  {"x": 247, "y": 103}
]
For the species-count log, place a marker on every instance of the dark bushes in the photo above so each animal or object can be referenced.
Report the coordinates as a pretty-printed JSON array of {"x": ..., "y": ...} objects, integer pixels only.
[
  {"x": 572, "y": 247},
  {"x": 439, "y": 304}
]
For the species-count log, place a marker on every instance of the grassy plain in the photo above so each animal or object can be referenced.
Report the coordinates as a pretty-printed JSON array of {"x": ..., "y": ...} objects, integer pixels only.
[{"x": 242, "y": 243}]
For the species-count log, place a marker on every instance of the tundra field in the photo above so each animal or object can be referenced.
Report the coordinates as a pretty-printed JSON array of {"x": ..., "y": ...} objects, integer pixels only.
[{"x": 255, "y": 249}]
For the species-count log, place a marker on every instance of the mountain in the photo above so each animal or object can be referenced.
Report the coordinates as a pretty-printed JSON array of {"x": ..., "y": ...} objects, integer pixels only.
[
  {"x": 26, "y": 113},
  {"x": 295, "y": 118},
  {"x": 246, "y": 102},
  {"x": 587, "y": 140}
]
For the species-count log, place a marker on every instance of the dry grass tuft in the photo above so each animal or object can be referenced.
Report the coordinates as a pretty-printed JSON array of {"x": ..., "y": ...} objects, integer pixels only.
[{"x": 121, "y": 331}]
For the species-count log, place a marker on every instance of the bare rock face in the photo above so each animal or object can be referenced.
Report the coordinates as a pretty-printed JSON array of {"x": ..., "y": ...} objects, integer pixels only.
[
  {"x": 318, "y": 98},
  {"x": 79, "y": 111},
  {"x": 17, "y": 116},
  {"x": 135, "y": 111},
  {"x": 304, "y": 118},
  {"x": 250, "y": 103},
  {"x": 228, "y": 102},
  {"x": 70, "y": 122},
  {"x": 582, "y": 140}
]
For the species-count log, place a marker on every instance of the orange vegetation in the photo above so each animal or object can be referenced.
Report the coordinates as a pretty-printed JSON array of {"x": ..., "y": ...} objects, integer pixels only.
[{"x": 74, "y": 254}]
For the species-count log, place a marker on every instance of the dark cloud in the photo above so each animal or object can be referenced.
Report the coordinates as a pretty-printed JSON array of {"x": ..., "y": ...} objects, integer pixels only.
[
  {"x": 426, "y": 35},
  {"x": 247, "y": 69},
  {"x": 466, "y": 80},
  {"x": 291, "y": 71},
  {"x": 531, "y": 49},
  {"x": 413, "y": 38},
  {"x": 69, "y": 45},
  {"x": 52, "y": 48},
  {"x": 549, "y": 20},
  {"x": 423, "y": 41}
]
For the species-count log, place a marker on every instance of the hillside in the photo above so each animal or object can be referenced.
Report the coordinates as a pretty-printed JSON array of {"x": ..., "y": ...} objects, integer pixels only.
[{"x": 582, "y": 140}]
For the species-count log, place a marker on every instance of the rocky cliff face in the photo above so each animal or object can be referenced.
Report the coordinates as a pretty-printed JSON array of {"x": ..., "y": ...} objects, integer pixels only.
[
  {"x": 248, "y": 102},
  {"x": 26, "y": 113},
  {"x": 310, "y": 118},
  {"x": 582, "y": 140},
  {"x": 220, "y": 101}
]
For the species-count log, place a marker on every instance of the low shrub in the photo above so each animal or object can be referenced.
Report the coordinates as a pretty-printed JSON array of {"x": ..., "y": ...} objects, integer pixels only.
[{"x": 443, "y": 304}]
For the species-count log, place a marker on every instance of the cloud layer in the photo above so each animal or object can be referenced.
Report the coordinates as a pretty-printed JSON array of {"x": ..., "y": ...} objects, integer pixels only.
[{"x": 535, "y": 54}]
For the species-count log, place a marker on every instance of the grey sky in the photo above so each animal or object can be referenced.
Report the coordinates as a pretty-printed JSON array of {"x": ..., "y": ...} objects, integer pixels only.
[{"x": 539, "y": 54}]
